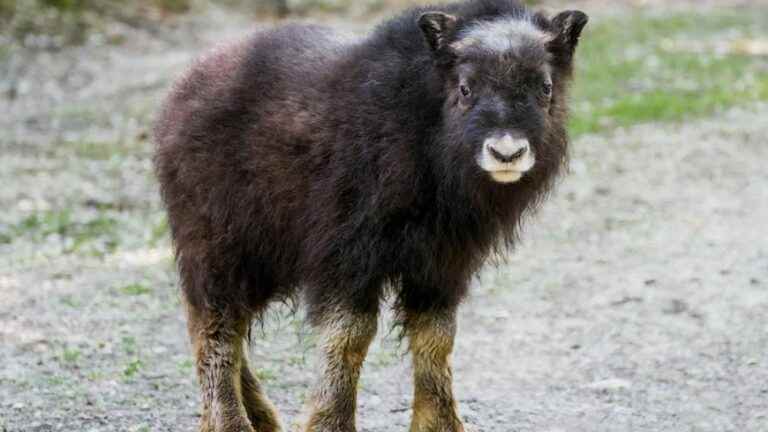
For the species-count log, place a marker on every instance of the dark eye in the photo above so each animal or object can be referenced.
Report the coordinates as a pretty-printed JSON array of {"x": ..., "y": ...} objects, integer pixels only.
[
  {"x": 547, "y": 89},
  {"x": 465, "y": 91}
]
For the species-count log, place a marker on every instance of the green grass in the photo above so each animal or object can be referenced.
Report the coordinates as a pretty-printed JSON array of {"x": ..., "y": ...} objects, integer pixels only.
[
  {"x": 95, "y": 376},
  {"x": 56, "y": 381},
  {"x": 159, "y": 231},
  {"x": 70, "y": 21},
  {"x": 94, "y": 150},
  {"x": 64, "y": 5},
  {"x": 174, "y": 6},
  {"x": 128, "y": 344},
  {"x": 95, "y": 236},
  {"x": 132, "y": 368},
  {"x": 627, "y": 74},
  {"x": 265, "y": 374},
  {"x": 185, "y": 366},
  {"x": 5, "y": 52},
  {"x": 135, "y": 289},
  {"x": 7, "y": 9},
  {"x": 70, "y": 301},
  {"x": 70, "y": 356}
]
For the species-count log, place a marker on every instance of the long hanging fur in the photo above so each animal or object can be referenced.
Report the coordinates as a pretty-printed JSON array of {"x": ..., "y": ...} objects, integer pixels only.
[{"x": 300, "y": 159}]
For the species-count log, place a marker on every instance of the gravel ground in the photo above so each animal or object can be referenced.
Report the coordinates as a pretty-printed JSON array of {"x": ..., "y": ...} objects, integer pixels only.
[{"x": 637, "y": 300}]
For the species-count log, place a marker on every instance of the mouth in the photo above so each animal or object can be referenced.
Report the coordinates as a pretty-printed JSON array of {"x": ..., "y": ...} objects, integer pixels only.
[
  {"x": 506, "y": 176},
  {"x": 506, "y": 159}
]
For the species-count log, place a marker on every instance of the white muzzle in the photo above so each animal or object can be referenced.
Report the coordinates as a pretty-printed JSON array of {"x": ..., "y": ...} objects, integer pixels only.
[{"x": 506, "y": 158}]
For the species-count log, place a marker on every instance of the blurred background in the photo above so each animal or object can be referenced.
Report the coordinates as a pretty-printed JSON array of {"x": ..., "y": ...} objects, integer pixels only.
[{"x": 637, "y": 299}]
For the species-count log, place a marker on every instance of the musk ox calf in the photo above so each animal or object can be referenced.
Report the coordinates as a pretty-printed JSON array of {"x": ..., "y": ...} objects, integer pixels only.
[{"x": 299, "y": 161}]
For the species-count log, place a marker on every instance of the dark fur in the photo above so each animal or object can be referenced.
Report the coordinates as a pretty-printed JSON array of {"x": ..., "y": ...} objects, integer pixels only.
[
  {"x": 333, "y": 173},
  {"x": 290, "y": 161}
]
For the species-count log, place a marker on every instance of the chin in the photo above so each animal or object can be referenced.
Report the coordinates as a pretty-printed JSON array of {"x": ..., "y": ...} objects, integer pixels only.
[{"x": 506, "y": 176}]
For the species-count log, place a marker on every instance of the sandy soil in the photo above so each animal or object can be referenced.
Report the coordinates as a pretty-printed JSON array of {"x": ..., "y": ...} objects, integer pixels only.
[{"x": 637, "y": 300}]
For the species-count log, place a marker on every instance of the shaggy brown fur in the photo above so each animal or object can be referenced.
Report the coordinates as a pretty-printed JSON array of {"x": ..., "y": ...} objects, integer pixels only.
[{"x": 300, "y": 161}]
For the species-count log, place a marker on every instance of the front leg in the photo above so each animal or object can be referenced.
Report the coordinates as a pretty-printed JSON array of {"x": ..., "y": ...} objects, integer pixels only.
[
  {"x": 430, "y": 340},
  {"x": 346, "y": 337}
]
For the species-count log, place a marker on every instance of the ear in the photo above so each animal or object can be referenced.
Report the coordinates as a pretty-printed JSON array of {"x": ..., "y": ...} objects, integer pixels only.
[
  {"x": 437, "y": 28},
  {"x": 567, "y": 27}
]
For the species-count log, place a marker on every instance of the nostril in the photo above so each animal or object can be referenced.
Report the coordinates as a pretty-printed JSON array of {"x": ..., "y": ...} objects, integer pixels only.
[
  {"x": 518, "y": 154},
  {"x": 507, "y": 158}
]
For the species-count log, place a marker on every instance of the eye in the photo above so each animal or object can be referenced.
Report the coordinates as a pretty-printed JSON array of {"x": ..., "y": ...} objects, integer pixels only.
[
  {"x": 465, "y": 91},
  {"x": 546, "y": 89}
]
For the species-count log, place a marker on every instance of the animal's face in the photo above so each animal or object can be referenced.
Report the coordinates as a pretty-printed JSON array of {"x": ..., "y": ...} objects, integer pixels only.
[
  {"x": 500, "y": 103},
  {"x": 504, "y": 86}
]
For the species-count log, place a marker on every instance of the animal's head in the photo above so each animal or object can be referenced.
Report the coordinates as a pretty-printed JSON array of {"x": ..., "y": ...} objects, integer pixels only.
[{"x": 505, "y": 80}]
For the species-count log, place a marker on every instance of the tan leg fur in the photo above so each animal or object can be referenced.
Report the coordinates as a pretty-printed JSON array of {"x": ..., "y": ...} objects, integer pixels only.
[
  {"x": 261, "y": 413},
  {"x": 430, "y": 340},
  {"x": 346, "y": 338},
  {"x": 232, "y": 398}
]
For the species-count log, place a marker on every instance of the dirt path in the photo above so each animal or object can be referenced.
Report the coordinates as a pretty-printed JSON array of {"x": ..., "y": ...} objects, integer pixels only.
[{"x": 636, "y": 302}]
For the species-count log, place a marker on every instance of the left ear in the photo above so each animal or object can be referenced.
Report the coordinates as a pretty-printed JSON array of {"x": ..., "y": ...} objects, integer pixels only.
[
  {"x": 437, "y": 28},
  {"x": 567, "y": 27}
]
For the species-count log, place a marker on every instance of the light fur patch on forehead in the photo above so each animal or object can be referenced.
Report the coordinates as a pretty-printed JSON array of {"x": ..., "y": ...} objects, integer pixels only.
[{"x": 501, "y": 35}]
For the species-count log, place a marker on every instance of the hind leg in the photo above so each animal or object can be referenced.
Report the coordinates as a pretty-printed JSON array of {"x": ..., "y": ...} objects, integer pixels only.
[
  {"x": 218, "y": 339},
  {"x": 261, "y": 412}
]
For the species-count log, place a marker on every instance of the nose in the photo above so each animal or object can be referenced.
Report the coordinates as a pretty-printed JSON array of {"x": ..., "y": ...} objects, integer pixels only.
[{"x": 508, "y": 149}]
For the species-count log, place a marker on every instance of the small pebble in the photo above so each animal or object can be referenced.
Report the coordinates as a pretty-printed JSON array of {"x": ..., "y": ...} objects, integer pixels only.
[{"x": 609, "y": 385}]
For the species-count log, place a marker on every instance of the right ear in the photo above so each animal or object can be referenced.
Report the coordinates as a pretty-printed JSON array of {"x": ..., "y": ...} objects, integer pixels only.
[
  {"x": 567, "y": 27},
  {"x": 437, "y": 28}
]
